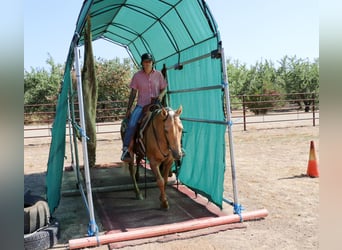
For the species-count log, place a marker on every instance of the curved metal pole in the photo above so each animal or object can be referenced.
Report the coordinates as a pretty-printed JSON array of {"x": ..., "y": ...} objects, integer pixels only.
[
  {"x": 237, "y": 207},
  {"x": 92, "y": 224}
]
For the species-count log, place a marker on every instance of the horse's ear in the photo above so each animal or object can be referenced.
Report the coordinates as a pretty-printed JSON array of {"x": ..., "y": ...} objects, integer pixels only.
[
  {"x": 164, "y": 112},
  {"x": 179, "y": 110}
]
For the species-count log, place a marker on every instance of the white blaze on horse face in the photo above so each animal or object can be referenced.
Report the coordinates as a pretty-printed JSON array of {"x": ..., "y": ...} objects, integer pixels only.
[{"x": 173, "y": 129}]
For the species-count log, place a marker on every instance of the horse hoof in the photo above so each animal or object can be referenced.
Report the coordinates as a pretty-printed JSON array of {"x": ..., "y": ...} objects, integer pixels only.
[
  {"x": 164, "y": 205},
  {"x": 139, "y": 197}
]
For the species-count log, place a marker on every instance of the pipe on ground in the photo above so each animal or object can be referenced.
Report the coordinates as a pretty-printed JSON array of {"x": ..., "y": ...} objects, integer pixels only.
[{"x": 165, "y": 229}]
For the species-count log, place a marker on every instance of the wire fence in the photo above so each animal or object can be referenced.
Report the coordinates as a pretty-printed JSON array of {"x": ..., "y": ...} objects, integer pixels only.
[{"x": 245, "y": 111}]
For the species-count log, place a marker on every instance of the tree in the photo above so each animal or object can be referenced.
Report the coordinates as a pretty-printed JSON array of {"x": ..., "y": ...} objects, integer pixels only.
[
  {"x": 301, "y": 79},
  {"x": 262, "y": 91},
  {"x": 41, "y": 86},
  {"x": 89, "y": 89},
  {"x": 237, "y": 79},
  {"x": 113, "y": 78},
  {"x": 298, "y": 78}
]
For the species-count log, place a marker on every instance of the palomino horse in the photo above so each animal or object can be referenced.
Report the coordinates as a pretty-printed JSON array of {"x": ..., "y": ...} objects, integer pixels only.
[{"x": 161, "y": 139}]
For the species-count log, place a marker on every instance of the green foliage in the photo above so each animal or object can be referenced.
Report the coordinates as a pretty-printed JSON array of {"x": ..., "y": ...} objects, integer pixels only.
[
  {"x": 299, "y": 76},
  {"x": 113, "y": 78},
  {"x": 263, "y": 92},
  {"x": 237, "y": 76},
  {"x": 42, "y": 86},
  {"x": 262, "y": 103},
  {"x": 263, "y": 83}
]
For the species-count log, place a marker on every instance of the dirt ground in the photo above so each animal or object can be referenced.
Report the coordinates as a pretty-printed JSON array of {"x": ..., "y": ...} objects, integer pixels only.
[{"x": 271, "y": 162}]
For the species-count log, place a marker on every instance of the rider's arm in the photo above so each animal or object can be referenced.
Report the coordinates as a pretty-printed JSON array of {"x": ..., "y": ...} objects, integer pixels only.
[
  {"x": 161, "y": 95},
  {"x": 130, "y": 101}
]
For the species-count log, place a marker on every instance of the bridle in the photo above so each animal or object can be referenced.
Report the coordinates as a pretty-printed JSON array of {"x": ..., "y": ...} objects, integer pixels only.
[{"x": 156, "y": 136}]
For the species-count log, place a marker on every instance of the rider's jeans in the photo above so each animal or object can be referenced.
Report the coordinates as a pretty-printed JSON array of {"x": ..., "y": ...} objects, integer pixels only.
[{"x": 132, "y": 125}]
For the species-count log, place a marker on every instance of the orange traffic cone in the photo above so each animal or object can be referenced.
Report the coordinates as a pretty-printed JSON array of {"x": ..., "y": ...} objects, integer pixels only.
[{"x": 312, "y": 164}]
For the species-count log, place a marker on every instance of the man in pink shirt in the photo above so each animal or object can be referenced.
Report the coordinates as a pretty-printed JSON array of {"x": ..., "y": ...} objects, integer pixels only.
[{"x": 149, "y": 84}]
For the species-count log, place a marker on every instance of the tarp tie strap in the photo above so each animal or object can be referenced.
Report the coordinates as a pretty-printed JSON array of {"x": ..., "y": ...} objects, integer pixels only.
[
  {"x": 237, "y": 210},
  {"x": 81, "y": 131},
  {"x": 92, "y": 233}
]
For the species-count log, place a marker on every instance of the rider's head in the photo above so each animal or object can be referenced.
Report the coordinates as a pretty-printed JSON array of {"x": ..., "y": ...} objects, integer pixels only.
[
  {"x": 147, "y": 62},
  {"x": 147, "y": 57}
]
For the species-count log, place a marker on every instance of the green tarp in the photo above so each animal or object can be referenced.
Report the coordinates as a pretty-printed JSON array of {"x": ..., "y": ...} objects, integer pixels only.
[{"x": 183, "y": 36}]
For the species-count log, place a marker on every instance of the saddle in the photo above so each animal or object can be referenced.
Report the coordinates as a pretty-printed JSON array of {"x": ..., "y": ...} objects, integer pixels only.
[{"x": 148, "y": 113}]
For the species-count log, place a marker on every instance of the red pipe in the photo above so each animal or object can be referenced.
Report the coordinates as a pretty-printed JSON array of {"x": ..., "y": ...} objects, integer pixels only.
[{"x": 165, "y": 229}]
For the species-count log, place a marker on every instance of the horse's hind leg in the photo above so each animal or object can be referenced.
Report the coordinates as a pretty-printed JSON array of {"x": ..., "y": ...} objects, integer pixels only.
[
  {"x": 138, "y": 164},
  {"x": 133, "y": 171}
]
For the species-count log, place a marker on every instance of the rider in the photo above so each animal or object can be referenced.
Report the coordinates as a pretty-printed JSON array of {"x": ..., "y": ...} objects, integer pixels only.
[{"x": 150, "y": 84}]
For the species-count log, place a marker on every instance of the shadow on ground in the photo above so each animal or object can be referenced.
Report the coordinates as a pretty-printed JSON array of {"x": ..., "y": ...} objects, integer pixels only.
[{"x": 116, "y": 209}]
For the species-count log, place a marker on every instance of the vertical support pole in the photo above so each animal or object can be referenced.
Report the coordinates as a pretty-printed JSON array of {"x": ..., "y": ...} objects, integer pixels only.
[
  {"x": 313, "y": 110},
  {"x": 244, "y": 112},
  {"x": 237, "y": 207},
  {"x": 93, "y": 227}
]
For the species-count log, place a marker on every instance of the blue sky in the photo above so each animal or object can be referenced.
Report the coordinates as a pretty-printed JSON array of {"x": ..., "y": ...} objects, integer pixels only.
[{"x": 251, "y": 31}]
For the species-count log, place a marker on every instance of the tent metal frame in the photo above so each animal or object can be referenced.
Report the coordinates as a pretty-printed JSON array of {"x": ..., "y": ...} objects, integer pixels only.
[
  {"x": 225, "y": 85},
  {"x": 92, "y": 224}
]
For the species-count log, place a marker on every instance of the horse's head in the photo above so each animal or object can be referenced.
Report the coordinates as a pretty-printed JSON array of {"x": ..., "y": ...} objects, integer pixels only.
[{"x": 173, "y": 130}]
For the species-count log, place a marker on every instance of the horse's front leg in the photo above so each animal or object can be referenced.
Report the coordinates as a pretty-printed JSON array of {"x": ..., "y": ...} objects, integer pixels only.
[
  {"x": 166, "y": 173},
  {"x": 164, "y": 204},
  {"x": 133, "y": 172}
]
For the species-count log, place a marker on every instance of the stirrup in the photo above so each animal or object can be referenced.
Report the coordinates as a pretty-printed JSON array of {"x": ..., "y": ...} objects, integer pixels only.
[{"x": 126, "y": 156}]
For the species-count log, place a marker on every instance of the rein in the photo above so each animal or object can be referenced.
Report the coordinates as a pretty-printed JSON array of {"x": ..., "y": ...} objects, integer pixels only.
[{"x": 156, "y": 136}]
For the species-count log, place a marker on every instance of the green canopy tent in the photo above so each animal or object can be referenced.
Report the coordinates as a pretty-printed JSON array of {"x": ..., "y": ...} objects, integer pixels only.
[{"x": 184, "y": 39}]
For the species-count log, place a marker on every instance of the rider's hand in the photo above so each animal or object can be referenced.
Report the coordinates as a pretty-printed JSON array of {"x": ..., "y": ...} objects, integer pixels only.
[{"x": 159, "y": 99}]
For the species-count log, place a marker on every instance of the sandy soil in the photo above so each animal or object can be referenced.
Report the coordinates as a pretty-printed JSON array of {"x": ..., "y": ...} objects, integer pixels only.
[{"x": 271, "y": 162}]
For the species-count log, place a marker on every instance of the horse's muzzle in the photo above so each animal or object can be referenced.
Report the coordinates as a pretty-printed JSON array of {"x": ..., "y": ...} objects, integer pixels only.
[{"x": 177, "y": 154}]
